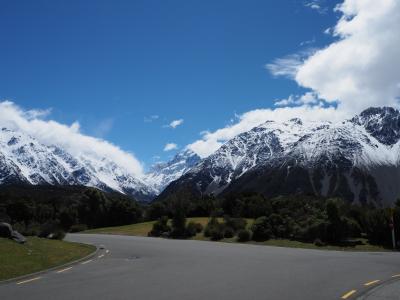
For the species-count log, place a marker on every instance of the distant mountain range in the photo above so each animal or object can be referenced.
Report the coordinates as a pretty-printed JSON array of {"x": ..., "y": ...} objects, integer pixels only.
[
  {"x": 357, "y": 159},
  {"x": 24, "y": 160},
  {"x": 162, "y": 174}
]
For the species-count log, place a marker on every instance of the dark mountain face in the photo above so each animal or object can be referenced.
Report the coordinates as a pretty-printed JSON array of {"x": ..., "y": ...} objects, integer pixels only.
[
  {"x": 356, "y": 159},
  {"x": 382, "y": 123}
]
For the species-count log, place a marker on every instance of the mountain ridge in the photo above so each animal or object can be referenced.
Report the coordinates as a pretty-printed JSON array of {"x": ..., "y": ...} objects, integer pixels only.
[{"x": 357, "y": 159}]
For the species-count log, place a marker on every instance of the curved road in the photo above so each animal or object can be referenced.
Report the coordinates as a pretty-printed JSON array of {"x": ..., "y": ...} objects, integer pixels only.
[{"x": 150, "y": 268}]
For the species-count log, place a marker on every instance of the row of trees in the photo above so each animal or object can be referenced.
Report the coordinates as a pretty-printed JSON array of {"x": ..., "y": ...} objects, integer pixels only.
[
  {"x": 303, "y": 218},
  {"x": 36, "y": 210}
]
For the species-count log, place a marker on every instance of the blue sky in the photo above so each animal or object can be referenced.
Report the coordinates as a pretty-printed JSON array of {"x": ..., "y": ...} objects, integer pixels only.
[{"x": 111, "y": 65}]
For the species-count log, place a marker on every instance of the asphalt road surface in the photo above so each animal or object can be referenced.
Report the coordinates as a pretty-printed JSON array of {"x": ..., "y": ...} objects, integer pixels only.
[{"x": 150, "y": 268}]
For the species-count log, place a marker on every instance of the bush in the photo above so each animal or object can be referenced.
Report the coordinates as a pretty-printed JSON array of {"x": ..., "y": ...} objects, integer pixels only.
[
  {"x": 244, "y": 235},
  {"x": 191, "y": 229},
  {"x": 51, "y": 230},
  {"x": 314, "y": 229},
  {"x": 199, "y": 227},
  {"x": 78, "y": 228},
  {"x": 229, "y": 232},
  {"x": 160, "y": 227},
  {"x": 213, "y": 222},
  {"x": 59, "y": 234},
  {"x": 261, "y": 229},
  {"x": 214, "y": 230},
  {"x": 216, "y": 233},
  {"x": 235, "y": 223},
  {"x": 318, "y": 243}
]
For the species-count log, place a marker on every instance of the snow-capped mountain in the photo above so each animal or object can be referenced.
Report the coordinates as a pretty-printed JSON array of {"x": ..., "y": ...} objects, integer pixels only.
[
  {"x": 162, "y": 174},
  {"x": 23, "y": 159},
  {"x": 358, "y": 159}
]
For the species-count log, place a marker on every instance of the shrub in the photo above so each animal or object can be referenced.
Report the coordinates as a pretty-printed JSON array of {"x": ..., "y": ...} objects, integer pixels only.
[
  {"x": 213, "y": 222},
  {"x": 216, "y": 233},
  {"x": 244, "y": 235},
  {"x": 51, "y": 230},
  {"x": 31, "y": 229},
  {"x": 261, "y": 229},
  {"x": 199, "y": 227},
  {"x": 318, "y": 243},
  {"x": 235, "y": 223},
  {"x": 191, "y": 229},
  {"x": 229, "y": 232},
  {"x": 160, "y": 227},
  {"x": 214, "y": 230},
  {"x": 59, "y": 234},
  {"x": 78, "y": 228},
  {"x": 314, "y": 229}
]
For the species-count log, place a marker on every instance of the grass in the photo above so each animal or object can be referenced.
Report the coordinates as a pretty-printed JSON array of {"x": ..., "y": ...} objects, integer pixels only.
[
  {"x": 141, "y": 229},
  {"x": 37, "y": 254}
]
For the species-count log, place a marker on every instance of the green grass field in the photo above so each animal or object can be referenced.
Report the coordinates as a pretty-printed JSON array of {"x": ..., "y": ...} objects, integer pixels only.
[
  {"x": 37, "y": 254},
  {"x": 141, "y": 229}
]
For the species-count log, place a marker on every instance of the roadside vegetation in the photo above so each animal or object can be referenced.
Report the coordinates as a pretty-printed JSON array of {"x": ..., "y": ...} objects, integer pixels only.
[
  {"x": 50, "y": 211},
  {"x": 247, "y": 217},
  {"x": 37, "y": 254},
  {"x": 294, "y": 219}
]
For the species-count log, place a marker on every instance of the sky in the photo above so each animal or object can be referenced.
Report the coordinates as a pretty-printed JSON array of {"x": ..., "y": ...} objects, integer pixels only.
[{"x": 145, "y": 79}]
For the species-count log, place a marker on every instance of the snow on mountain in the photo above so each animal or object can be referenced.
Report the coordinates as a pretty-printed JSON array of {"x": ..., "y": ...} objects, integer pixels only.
[
  {"x": 162, "y": 174},
  {"x": 357, "y": 159},
  {"x": 25, "y": 160}
]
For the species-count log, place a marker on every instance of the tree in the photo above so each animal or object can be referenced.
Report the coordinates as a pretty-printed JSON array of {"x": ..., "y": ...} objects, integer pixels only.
[
  {"x": 261, "y": 229},
  {"x": 337, "y": 228},
  {"x": 178, "y": 221},
  {"x": 160, "y": 227}
]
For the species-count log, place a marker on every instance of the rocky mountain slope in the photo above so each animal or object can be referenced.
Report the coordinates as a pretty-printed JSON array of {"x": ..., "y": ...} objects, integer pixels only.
[
  {"x": 162, "y": 174},
  {"x": 357, "y": 159},
  {"x": 23, "y": 159}
]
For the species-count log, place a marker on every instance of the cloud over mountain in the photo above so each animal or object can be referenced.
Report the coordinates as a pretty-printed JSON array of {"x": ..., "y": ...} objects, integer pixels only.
[
  {"x": 69, "y": 137},
  {"x": 359, "y": 69}
]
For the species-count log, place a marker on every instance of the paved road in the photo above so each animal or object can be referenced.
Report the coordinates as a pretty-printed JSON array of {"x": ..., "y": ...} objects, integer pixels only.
[
  {"x": 149, "y": 268},
  {"x": 388, "y": 291}
]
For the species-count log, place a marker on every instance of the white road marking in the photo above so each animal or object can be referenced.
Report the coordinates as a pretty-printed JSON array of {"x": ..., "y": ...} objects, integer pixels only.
[
  {"x": 100, "y": 256},
  {"x": 29, "y": 280},
  {"x": 86, "y": 262},
  {"x": 63, "y": 270}
]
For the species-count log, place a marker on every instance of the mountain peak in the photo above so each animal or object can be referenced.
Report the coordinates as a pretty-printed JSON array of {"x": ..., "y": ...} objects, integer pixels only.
[
  {"x": 161, "y": 174},
  {"x": 383, "y": 123}
]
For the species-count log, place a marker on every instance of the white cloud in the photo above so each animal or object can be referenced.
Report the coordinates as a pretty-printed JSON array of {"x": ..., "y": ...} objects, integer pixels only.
[
  {"x": 361, "y": 68},
  {"x": 286, "y": 66},
  {"x": 289, "y": 65},
  {"x": 175, "y": 123},
  {"x": 211, "y": 141},
  {"x": 170, "y": 146},
  {"x": 309, "y": 98},
  {"x": 317, "y": 5},
  {"x": 51, "y": 132}
]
